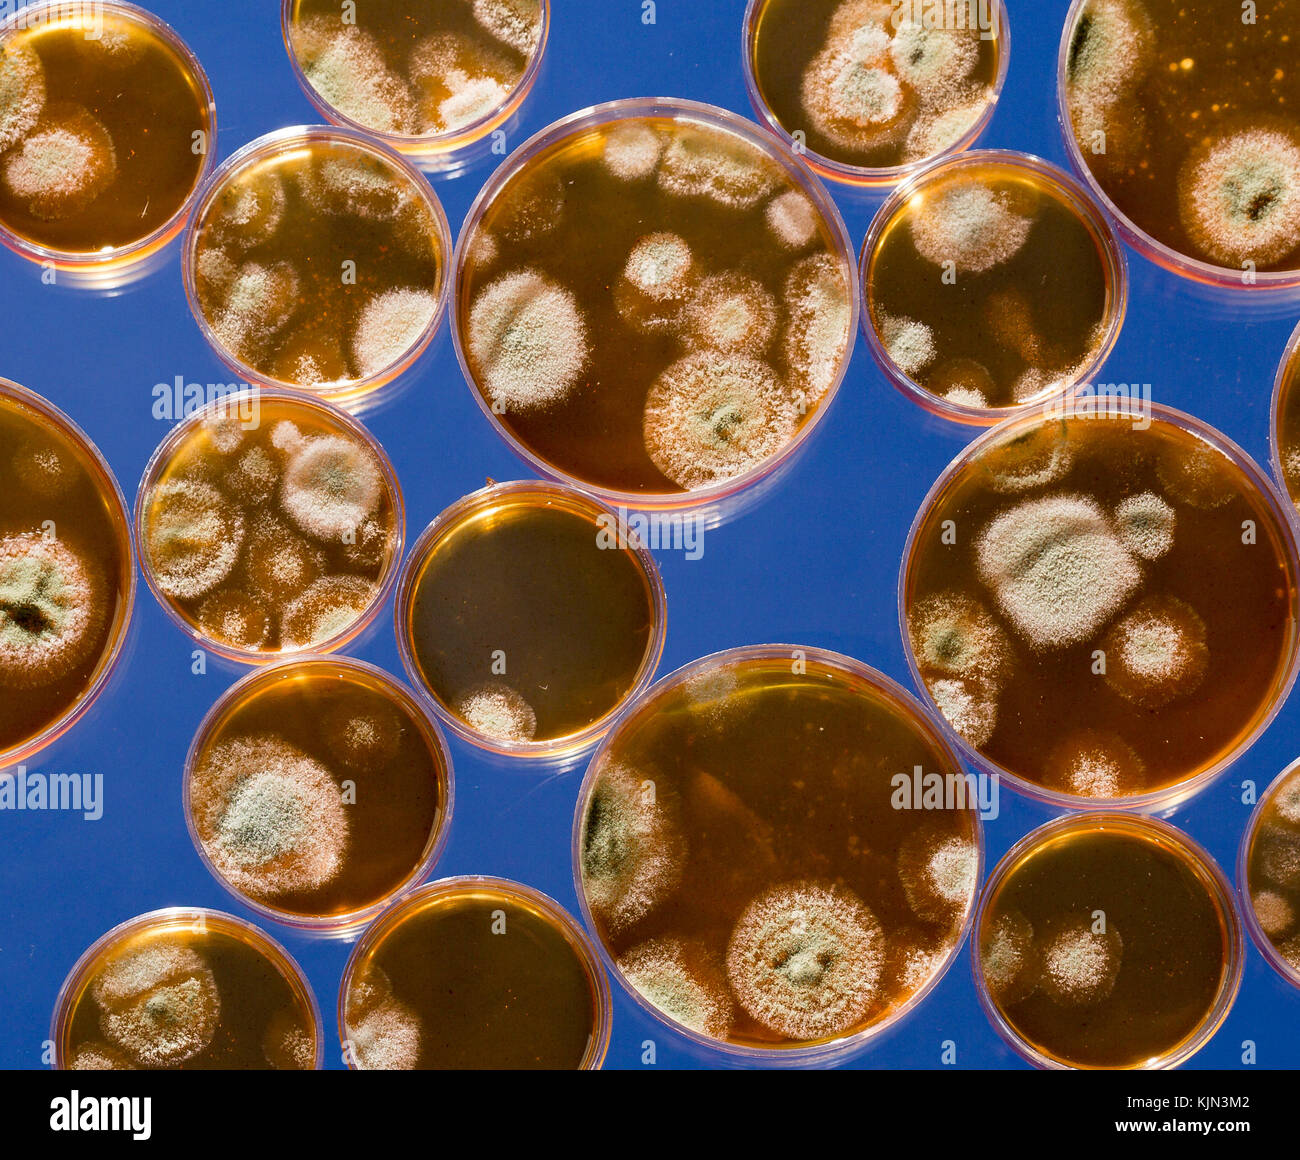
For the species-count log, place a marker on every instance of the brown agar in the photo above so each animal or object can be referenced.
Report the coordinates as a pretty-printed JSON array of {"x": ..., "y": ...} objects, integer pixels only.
[
  {"x": 870, "y": 90},
  {"x": 1268, "y": 873},
  {"x": 990, "y": 283},
  {"x": 530, "y": 615},
  {"x": 107, "y": 127},
  {"x": 187, "y": 990},
  {"x": 653, "y": 302},
  {"x": 1074, "y": 597},
  {"x": 1286, "y": 423},
  {"x": 1107, "y": 941},
  {"x": 317, "y": 260},
  {"x": 427, "y": 78},
  {"x": 1183, "y": 117},
  {"x": 750, "y": 871},
  {"x": 474, "y": 973},
  {"x": 67, "y": 573},
  {"x": 270, "y": 523},
  {"x": 318, "y": 789}
]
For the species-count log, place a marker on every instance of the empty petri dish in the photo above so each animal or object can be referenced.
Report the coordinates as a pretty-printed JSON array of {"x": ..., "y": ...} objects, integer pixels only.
[
  {"x": 991, "y": 283},
  {"x": 270, "y": 523},
  {"x": 316, "y": 260},
  {"x": 186, "y": 990},
  {"x": 1286, "y": 423},
  {"x": 67, "y": 573},
  {"x": 1077, "y": 968},
  {"x": 531, "y": 615},
  {"x": 474, "y": 973},
  {"x": 654, "y": 302},
  {"x": 1268, "y": 873},
  {"x": 1074, "y": 595},
  {"x": 778, "y": 854},
  {"x": 428, "y": 79},
  {"x": 1182, "y": 117},
  {"x": 870, "y": 90},
  {"x": 106, "y": 130},
  {"x": 316, "y": 790}
]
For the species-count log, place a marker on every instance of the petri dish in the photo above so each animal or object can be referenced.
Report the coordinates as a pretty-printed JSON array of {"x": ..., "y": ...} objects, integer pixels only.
[
  {"x": 106, "y": 127},
  {"x": 186, "y": 989},
  {"x": 1077, "y": 969},
  {"x": 991, "y": 284},
  {"x": 764, "y": 858},
  {"x": 654, "y": 302},
  {"x": 530, "y": 615},
  {"x": 316, "y": 790},
  {"x": 428, "y": 79},
  {"x": 270, "y": 523},
  {"x": 1073, "y": 596},
  {"x": 1286, "y": 424},
  {"x": 1182, "y": 118},
  {"x": 474, "y": 973},
  {"x": 1268, "y": 873},
  {"x": 868, "y": 91},
  {"x": 316, "y": 260},
  {"x": 67, "y": 573}
]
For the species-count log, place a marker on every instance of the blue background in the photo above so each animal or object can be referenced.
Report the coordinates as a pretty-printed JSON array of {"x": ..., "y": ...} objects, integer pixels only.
[{"x": 815, "y": 563}]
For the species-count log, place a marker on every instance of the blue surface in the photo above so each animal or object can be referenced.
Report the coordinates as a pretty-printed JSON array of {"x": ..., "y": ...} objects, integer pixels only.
[{"x": 815, "y": 563}]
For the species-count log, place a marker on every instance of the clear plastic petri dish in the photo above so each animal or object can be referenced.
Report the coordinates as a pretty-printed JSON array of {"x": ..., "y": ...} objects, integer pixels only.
[
  {"x": 1077, "y": 969},
  {"x": 869, "y": 91},
  {"x": 186, "y": 989},
  {"x": 107, "y": 125},
  {"x": 429, "y": 80},
  {"x": 778, "y": 854},
  {"x": 317, "y": 790},
  {"x": 473, "y": 973},
  {"x": 1285, "y": 424},
  {"x": 67, "y": 573},
  {"x": 316, "y": 260},
  {"x": 1074, "y": 592},
  {"x": 268, "y": 524},
  {"x": 654, "y": 302},
  {"x": 1268, "y": 874},
  {"x": 1181, "y": 118},
  {"x": 991, "y": 284},
  {"x": 530, "y": 615}
]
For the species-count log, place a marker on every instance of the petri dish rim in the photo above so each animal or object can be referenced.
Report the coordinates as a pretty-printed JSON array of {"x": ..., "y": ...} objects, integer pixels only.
[
  {"x": 1067, "y": 189},
  {"x": 229, "y": 703},
  {"x": 673, "y": 109},
  {"x": 1176, "y": 793},
  {"x": 867, "y": 176},
  {"x": 1287, "y": 380},
  {"x": 554, "y": 493},
  {"x": 1250, "y": 919},
  {"x": 302, "y": 137},
  {"x": 137, "y": 252},
  {"x": 824, "y": 1053},
  {"x": 228, "y": 924},
  {"x": 163, "y": 454},
  {"x": 113, "y": 651},
  {"x": 517, "y": 892},
  {"x": 1165, "y": 835}
]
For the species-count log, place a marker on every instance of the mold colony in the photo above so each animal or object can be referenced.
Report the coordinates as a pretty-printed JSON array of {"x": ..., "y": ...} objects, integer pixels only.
[{"x": 1269, "y": 873}]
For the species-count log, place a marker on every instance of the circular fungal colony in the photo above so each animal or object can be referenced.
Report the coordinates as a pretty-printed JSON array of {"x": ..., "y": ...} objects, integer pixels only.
[
  {"x": 473, "y": 973},
  {"x": 652, "y": 305},
  {"x": 744, "y": 860},
  {"x": 528, "y": 616},
  {"x": 1076, "y": 593},
  {"x": 270, "y": 524},
  {"x": 991, "y": 283},
  {"x": 874, "y": 85},
  {"x": 105, "y": 126},
  {"x": 66, "y": 572},
  {"x": 1270, "y": 874},
  {"x": 316, "y": 260},
  {"x": 317, "y": 790},
  {"x": 1081, "y": 970},
  {"x": 416, "y": 70},
  {"x": 1286, "y": 419},
  {"x": 1184, "y": 115},
  {"x": 186, "y": 990}
]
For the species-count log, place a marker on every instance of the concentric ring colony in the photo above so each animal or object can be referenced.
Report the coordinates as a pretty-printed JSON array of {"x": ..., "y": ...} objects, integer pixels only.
[
  {"x": 745, "y": 866},
  {"x": 654, "y": 305}
]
